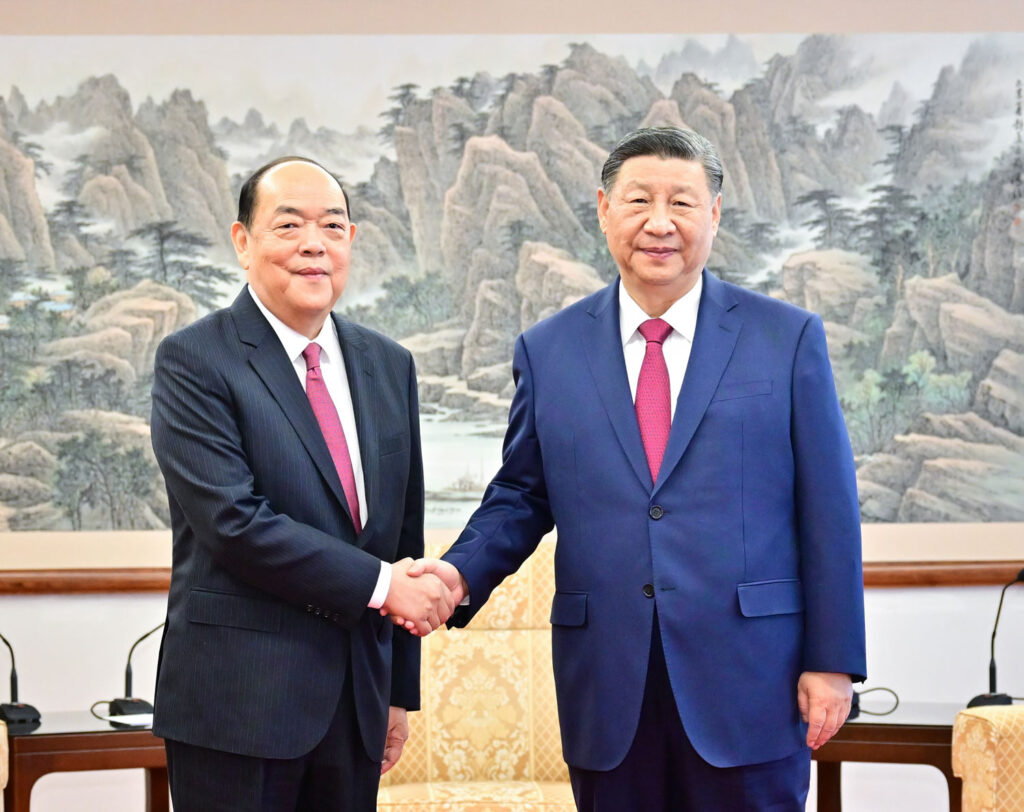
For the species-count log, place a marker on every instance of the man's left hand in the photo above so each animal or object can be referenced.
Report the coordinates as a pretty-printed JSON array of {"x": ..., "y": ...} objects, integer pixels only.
[
  {"x": 824, "y": 699},
  {"x": 398, "y": 733}
]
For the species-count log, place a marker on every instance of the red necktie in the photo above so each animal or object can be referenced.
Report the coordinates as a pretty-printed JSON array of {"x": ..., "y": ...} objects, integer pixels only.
[
  {"x": 653, "y": 408},
  {"x": 330, "y": 425}
]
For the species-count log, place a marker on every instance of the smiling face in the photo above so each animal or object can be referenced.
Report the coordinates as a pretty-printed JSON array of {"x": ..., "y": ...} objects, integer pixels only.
[
  {"x": 296, "y": 252},
  {"x": 660, "y": 220}
]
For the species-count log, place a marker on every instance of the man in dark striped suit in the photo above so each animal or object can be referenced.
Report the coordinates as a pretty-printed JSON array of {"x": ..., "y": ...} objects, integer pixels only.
[{"x": 289, "y": 441}]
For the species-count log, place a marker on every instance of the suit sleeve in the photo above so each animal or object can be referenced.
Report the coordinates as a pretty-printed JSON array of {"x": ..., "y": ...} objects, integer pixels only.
[
  {"x": 514, "y": 514},
  {"x": 405, "y": 663},
  {"x": 828, "y": 514},
  {"x": 200, "y": 450}
]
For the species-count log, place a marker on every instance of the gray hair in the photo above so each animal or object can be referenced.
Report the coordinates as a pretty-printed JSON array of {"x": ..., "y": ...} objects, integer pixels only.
[{"x": 665, "y": 142}]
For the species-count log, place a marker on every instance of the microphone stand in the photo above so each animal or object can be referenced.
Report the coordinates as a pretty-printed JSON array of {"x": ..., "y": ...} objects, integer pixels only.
[
  {"x": 993, "y": 697},
  {"x": 128, "y": 705},
  {"x": 17, "y": 713}
]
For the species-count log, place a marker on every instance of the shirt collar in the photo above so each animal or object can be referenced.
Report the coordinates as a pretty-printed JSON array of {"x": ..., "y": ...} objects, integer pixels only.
[
  {"x": 295, "y": 342},
  {"x": 682, "y": 315}
]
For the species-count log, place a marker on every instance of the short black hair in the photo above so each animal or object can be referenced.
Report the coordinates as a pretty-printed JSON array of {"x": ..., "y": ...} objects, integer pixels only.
[
  {"x": 247, "y": 197},
  {"x": 664, "y": 142}
]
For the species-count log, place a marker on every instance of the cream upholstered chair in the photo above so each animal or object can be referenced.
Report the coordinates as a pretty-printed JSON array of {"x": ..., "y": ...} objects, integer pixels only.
[
  {"x": 3, "y": 762},
  {"x": 988, "y": 754},
  {"x": 487, "y": 737}
]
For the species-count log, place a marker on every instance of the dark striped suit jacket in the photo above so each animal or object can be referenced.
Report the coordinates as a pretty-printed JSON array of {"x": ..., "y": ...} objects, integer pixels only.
[{"x": 267, "y": 610}]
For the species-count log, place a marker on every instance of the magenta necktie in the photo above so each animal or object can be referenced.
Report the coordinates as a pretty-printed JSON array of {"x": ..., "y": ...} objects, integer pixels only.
[
  {"x": 330, "y": 425},
  {"x": 653, "y": 409}
]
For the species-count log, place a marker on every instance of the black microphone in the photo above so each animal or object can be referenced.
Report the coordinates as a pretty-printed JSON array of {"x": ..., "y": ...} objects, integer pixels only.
[
  {"x": 15, "y": 712},
  {"x": 993, "y": 698},
  {"x": 128, "y": 705}
]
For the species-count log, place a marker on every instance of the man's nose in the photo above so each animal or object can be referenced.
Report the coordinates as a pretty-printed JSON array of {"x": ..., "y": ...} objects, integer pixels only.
[
  {"x": 659, "y": 220},
  {"x": 312, "y": 243}
]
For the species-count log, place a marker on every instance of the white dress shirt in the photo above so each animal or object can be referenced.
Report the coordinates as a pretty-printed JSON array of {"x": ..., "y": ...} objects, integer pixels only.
[
  {"x": 676, "y": 347},
  {"x": 332, "y": 369}
]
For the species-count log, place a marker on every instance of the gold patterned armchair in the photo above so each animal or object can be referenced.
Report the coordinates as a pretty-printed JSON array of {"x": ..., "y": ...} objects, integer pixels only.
[
  {"x": 988, "y": 754},
  {"x": 487, "y": 737},
  {"x": 3, "y": 762}
]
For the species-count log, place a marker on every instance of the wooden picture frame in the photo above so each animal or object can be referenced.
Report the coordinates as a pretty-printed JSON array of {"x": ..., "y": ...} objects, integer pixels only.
[
  {"x": 98, "y": 562},
  {"x": 895, "y": 555}
]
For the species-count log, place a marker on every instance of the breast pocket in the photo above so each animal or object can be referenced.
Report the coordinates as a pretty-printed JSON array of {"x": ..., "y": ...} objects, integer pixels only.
[
  {"x": 394, "y": 443},
  {"x": 744, "y": 389}
]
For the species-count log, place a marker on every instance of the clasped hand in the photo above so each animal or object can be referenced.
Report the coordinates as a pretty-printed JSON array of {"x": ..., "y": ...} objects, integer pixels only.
[{"x": 423, "y": 594}]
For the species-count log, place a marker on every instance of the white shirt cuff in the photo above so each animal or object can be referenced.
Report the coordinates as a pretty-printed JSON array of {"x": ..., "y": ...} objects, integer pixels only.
[{"x": 380, "y": 592}]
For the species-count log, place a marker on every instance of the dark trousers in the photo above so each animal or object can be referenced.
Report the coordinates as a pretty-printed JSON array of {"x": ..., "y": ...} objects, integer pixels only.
[
  {"x": 662, "y": 771},
  {"x": 336, "y": 775}
]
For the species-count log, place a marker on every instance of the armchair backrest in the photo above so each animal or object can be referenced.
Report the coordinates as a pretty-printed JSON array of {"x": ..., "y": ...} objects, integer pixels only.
[{"x": 488, "y": 696}]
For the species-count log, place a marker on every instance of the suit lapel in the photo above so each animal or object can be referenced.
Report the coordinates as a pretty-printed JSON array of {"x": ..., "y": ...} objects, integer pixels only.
[
  {"x": 718, "y": 328},
  {"x": 267, "y": 357},
  {"x": 364, "y": 386},
  {"x": 603, "y": 349}
]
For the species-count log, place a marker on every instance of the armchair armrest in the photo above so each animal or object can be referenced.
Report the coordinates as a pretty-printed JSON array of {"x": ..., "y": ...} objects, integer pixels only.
[
  {"x": 4, "y": 755},
  {"x": 988, "y": 754}
]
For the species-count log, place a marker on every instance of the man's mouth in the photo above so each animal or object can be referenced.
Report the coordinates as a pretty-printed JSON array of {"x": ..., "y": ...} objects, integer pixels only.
[{"x": 659, "y": 252}]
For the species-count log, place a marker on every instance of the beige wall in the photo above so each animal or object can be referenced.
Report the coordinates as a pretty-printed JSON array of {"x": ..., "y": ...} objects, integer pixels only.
[{"x": 509, "y": 16}]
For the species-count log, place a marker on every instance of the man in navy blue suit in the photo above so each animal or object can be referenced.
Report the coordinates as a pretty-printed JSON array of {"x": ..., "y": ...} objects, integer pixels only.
[
  {"x": 289, "y": 441},
  {"x": 684, "y": 437}
]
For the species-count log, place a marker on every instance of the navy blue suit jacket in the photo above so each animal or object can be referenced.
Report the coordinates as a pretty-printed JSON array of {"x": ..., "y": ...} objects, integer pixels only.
[
  {"x": 748, "y": 544},
  {"x": 269, "y": 589}
]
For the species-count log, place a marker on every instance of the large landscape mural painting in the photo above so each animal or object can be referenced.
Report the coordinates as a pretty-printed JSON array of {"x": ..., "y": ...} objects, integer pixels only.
[{"x": 877, "y": 180}]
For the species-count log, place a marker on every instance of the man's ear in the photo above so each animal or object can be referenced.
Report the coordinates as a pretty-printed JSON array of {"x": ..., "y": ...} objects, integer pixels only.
[
  {"x": 240, "y": 239},
  {"x": 602, "y": 208}
]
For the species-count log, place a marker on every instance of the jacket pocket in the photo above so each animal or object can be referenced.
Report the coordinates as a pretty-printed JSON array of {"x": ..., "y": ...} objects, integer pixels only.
[
  {"x": 780, "y": 597},
  {"x": 569, "y": 609},
  {"x": 239, "y": 611},
  {"x": 394, "y": 443},
  {"x": 747, "y": 389}
]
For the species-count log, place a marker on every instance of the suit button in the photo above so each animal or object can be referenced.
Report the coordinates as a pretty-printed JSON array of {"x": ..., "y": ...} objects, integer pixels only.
[
  {"x": 649, "y": 590},
  {"x": 656, "y": 512},
  {"x": 309, "y": 607}
]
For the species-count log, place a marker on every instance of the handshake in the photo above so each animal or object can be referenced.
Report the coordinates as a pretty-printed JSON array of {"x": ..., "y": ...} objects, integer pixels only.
[{"x": 423, "y": 594}]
